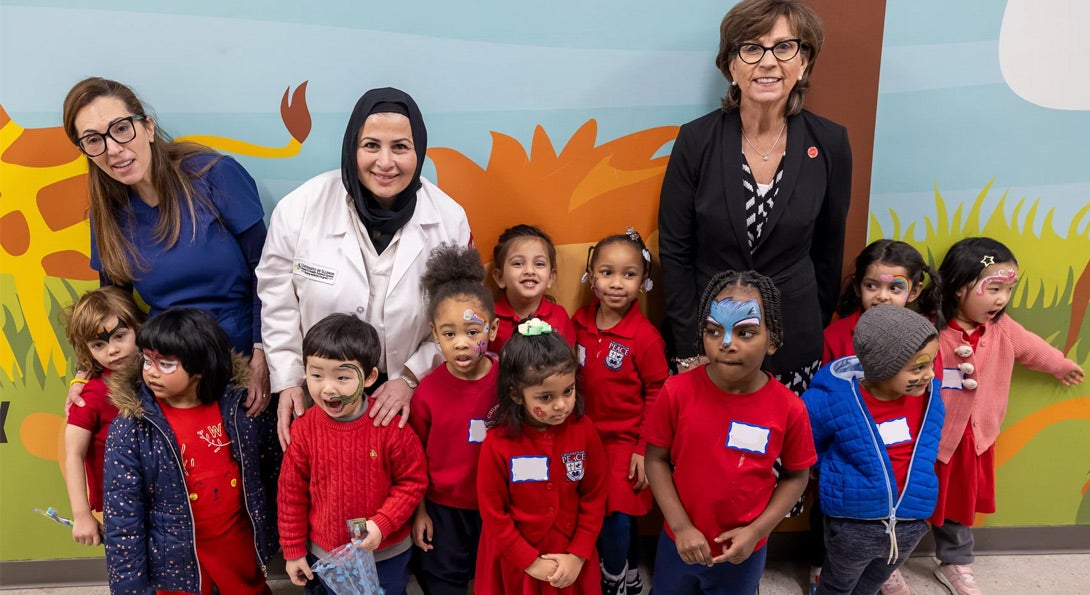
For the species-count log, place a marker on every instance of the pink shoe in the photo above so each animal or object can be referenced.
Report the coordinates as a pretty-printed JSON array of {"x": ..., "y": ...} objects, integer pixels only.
[
  {"x": 896, "y": 584},
  {"x": 959, "y": 579}
]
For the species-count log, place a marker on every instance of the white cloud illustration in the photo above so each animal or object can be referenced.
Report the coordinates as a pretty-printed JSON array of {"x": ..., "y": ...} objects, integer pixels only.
[{"x": 1043, "y": 52}]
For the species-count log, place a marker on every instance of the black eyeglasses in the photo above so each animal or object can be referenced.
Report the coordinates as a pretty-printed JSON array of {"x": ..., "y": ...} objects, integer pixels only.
[
  {"x": 122, "y": 131},
  {"x": 752, "y": 53}
]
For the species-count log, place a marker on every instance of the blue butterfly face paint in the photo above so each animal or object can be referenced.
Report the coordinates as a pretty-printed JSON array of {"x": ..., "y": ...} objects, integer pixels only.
[{"x": 728, "y": 314}]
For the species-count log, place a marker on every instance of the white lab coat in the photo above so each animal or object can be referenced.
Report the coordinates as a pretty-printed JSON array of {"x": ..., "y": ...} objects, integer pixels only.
[{"x": 312, "y": 266}]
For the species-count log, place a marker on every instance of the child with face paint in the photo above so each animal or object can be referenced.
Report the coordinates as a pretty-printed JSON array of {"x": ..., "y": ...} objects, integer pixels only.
[
  {"x": 101, "y": 328},
  {"x": 524, "y": 268},
  {"x": 885, "y": 272},
  {"x": 189, "y": 478},
  {"x": 876, "y": 419},
  {"x": 622, "y": 365},
  {"x": 541, "y": 483},
  {"x": 712, "y": 439},
  {"x": 979, "y": 344},
  {"x": 340, "y": 468},
  {"x": 449, "y": 411}
]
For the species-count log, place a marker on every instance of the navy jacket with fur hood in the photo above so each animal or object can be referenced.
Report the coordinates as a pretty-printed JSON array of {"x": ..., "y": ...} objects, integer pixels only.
[
  {"x": 149, "y": 523},
  {"x": 856, "y": 479}
]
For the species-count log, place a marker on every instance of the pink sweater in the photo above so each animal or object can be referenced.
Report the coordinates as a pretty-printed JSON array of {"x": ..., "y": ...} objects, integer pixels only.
[{"x": 1003, "y": 342}]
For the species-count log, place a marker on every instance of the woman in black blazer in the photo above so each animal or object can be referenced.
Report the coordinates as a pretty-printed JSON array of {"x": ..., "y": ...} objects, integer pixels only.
[{"x": 760, "y": 184}]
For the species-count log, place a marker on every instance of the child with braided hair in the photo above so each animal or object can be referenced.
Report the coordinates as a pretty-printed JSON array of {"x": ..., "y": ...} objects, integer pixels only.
[{"x": 712, "y": 438}]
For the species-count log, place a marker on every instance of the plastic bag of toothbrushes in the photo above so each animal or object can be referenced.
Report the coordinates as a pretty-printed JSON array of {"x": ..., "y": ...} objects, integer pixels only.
[{"x": 350, "y": 569}]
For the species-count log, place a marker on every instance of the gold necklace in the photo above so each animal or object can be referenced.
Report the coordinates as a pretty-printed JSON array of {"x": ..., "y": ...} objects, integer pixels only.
[{"x": 764, "y": 154}]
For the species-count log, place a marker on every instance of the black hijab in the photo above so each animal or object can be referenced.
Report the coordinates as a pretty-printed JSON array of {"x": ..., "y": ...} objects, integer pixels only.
[{"x": 382, "y": 224}]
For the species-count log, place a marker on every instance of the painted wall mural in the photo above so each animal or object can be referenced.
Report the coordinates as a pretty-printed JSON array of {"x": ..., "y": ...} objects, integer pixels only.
[{"x": 540, "y": 118}]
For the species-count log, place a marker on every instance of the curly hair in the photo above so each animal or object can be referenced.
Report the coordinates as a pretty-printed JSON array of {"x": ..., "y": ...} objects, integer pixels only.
[
  {"x": 524, "y": 362},
  {"x": 770, "y": 302},
  {"x": 456, "y": 271}
]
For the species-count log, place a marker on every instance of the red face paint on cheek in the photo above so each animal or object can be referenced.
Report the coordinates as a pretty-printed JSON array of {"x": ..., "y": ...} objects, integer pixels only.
[{"x": 539, "y": 412}]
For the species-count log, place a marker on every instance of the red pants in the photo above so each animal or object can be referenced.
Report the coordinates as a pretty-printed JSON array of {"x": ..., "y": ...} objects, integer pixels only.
[{"x": 228, "y": 559}]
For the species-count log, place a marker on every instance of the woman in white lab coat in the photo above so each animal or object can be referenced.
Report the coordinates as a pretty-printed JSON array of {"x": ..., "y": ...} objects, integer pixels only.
[{"x": 356, "y": 240}]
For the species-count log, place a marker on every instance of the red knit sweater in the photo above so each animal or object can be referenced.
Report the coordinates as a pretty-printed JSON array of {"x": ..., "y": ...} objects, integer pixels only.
[{"x": 335, "y": 471}]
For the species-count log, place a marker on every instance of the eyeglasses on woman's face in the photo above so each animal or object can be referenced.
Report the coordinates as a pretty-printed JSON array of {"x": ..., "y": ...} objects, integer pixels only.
[
  {"x": 752, "y": 53},
  {"x": 121, "y": 131}
]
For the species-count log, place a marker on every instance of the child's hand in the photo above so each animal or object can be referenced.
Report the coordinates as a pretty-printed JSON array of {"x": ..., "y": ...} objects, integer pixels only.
[
  {"x": 692, "y": 547},
  {"x": 742, "y": 541},
  {"x": 299, "y": 571},
  {"x": 86, "y": 530},
  {"x": 542, "y": 568},
  {"x": 422, "y": 529},
  {"x": 373, "y": 538},
  {"x": 74, "y": 397},
  {"x": 1073, "y": 376},
  {"x": 636, "y": 472},
  {"x": 567, "y": 569}
]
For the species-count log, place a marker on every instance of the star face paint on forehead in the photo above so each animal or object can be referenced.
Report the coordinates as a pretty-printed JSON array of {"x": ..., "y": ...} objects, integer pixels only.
[
  {"x": 104, "y": 335},
  {"x": 728, "y": 314},
  {"x": 1006, "y": 276}
]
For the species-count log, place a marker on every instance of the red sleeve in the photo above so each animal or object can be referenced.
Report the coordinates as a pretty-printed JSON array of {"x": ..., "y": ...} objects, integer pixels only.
[
  {"x": 494, "y": 500},
  {"x": 293, "y": 495},
  {"x": 592, "y": 495},
  {"x": 565, "y": 326},
  {"x": 420, "y": 412},
  {"x": 89, "y": 416},
  {"x": 658, "y": 427},
  {"x": 651, "y": 366},
  {"x": 798, "y": 441},
  {"x": 408, "y": 480}
]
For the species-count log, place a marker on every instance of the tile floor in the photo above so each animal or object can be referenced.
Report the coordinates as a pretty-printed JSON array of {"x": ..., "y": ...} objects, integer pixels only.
[{"x": 1066, "y": 574}]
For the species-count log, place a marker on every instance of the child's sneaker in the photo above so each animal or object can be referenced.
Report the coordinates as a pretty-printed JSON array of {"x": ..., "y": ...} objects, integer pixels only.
[
  {"x": 896, "y": 584},
  {"x": 614, "y": 584},
  {"x": 815, "y": 578},
  {"x": 633, "y": 583},
  {"x": 959, "y": 579}
]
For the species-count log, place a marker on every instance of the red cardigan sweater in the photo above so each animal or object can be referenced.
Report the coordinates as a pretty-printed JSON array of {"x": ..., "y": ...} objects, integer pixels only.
[{"x": 335, "y": 471}]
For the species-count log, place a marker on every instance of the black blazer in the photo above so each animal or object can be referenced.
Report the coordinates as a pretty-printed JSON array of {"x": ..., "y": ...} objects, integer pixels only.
[{"x": 702, "y": 228}]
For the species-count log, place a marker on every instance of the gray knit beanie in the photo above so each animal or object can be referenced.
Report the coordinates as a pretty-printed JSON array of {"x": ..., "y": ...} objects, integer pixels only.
[{"x": 886, "y": 337}]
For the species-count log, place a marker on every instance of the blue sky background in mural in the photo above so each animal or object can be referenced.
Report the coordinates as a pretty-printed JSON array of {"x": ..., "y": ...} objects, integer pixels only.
[
  {"x": 947, "y": 117},
  {"x": 473, "y": 69}
]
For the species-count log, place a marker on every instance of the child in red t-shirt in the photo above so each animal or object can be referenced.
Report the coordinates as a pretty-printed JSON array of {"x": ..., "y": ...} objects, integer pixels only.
[
  {"x": 524, "y": 268},
  {"x": 340, "y": 467},
  {"x": 102, "y": 329},
  {"x": 622, "y": 365},
  {"x": 541, "y": 479},
  {"x": 188, "y": 474},
  {"x": 712, "y": 439},
  {"x": 449, "y": 410}
]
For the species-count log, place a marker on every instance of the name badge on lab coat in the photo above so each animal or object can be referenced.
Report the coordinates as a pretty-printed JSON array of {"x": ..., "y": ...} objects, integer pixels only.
[{"x": 315, "y": 272}]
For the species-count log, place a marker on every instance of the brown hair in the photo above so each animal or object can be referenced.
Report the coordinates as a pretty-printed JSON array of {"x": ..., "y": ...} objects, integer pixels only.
[
  {"x": 110, "y": 198},
  {"x": 750, "y": 19},
  {"x": 84, "y": 319}
]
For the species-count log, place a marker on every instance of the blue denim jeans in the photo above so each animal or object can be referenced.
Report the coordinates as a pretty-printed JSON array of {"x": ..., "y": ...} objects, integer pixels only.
[{"x": 857, "y": 554}]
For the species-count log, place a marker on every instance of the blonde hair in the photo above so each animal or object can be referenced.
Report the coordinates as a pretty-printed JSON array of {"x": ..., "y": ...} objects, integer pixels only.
[
  {"x": 84, "y": 319},
  {"x": 110, "y": 198}
]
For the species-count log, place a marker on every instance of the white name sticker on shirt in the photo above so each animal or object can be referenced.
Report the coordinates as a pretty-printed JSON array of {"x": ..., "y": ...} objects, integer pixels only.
[
  {"x": 315, "y": 272},
  {"x": 477, "y": 430},
  {"x": 895, "y": 431},
  {"x": 529, "y": 469},
  {"x": 951, "y": 378},
  {"x": 581, "y": 355},
  {"x": 748, "y": 438}
]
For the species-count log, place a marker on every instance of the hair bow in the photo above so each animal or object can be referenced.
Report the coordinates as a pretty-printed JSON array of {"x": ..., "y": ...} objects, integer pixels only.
[{"x": 534, "y": 327}]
